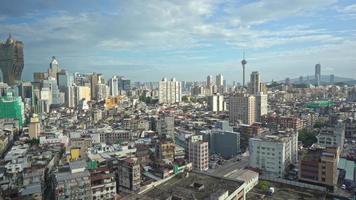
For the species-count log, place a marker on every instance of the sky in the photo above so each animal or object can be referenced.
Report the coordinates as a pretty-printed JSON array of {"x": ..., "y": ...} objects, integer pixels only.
[{"x": 146, "y": 40}]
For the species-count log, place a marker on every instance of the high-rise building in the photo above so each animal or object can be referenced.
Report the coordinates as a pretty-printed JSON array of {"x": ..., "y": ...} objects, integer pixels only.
[
  {"x": 35, "y": 127},
  {"x": 11, "y": 60},
  {"x": 219, "y": 81},
  {"x": 64, "y": 80},
  {"x": 94, "y": 80},
  {"x": 102, "y": 91},
  {"x": 209, "y": 80},
  {"x": 255, "y": 83},
  {"x": 301, "y": 79},
  {"x": 114, "y": 86},
  {"x": 124, "y": 84},
  {"x": 12, "y": 108},
  {"x": 261, "y": 105},
  {"x": 169, "y": 91},
  {"x": 165, "y": 125},
  {"x": 317, "y": 74},
  {"x": 216, "y": 103},
  {"x": 198, "y": 153},
  {"x": 242, "y": 107},
  {"x": 53, "y": 68},
  {"x": 273, "y": 152},
  {"x": 82, "y": 92}
]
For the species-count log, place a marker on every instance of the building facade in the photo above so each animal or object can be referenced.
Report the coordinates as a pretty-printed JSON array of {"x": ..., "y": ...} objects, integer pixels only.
[{"x": 169, "y": 91}]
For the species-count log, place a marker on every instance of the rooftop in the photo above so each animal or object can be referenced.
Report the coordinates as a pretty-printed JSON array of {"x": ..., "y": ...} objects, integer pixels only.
[{"x": 196, "y": 185}]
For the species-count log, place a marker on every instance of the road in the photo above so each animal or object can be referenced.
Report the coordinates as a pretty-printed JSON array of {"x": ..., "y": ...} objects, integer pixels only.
[{"x": 229, "y": 166}]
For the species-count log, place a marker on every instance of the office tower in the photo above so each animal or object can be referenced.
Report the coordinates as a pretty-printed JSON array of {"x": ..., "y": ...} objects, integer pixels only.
[
  {"x": 287, "y": 81},
  {"x": 242, "y": 107},
  {"x": 261, "y": 105},
  {"x": 320, "y": 166},
  {"x": 255, "y": 83},
  {"x": 332, "y": 78},
  {"x": 94, "y": 80},
  {"x": 64, "y": 79},
  {"x": 102, "y": 91},
  {"x": 243, "y": 62},
  {"x": 82, "y": 92},
  {"x": 216, "y": 103},
  {"x": 12, "y": 108},
  {"x": 198, "y": 153},
  {"x": 219, "y": 80},
  {"x": 57, "y": 97},
  {"x": 124, "y": 84},
  {"x": 35, "y": 127},
  {"x": 272, "y": 152},
  {"x": 72, "y": 183},
  {"x": 169, "y": 91},
  {"x": 165, "y": 125},
  {"x": 11, "y": 60},
  {"x": 53, "y": 68},
  {"x": 114, "y": 86},
  {"x": 317, "y": 74},
  {"x": 209, "y": 80}
]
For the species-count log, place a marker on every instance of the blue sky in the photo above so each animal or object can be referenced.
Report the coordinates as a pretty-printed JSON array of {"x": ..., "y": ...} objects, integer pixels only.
[{"x": 147, "y": 40}]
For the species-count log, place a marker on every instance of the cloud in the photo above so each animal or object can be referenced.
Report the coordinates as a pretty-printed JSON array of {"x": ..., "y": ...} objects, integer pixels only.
[{"x": 86, "y": 34}]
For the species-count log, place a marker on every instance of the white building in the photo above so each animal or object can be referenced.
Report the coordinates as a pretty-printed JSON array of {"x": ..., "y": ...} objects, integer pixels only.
[
  {"x": 332, "y": 136},
  {"x": 114, "y": 86},
  {"x": 102, "y": 91},
  {"x": 170, "y": 91},
  {"x": 261, "y": 105},
  {"x": 272, "y": 153},
  {"x": 216, "y": 103}
]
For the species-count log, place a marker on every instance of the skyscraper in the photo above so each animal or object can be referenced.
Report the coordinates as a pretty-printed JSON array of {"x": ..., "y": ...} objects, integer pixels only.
[
  {"x": 242, "y": 107},
  {"x": 255, "y": 83},
  {"x": 317, "y": 74},
  {"x": 114, "y": 86},
  {"x": 209, "y": 80},
  {"x": 11, "y": 60},
  {"x": 332, "y": 78},
  {"x": 53, "y": 68},
  {"x": 219, "y": 80},
  {"x": 170, "y": 91}
]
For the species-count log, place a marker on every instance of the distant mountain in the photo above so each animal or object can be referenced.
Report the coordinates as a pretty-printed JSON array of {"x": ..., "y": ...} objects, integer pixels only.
[{"x": 325, "y": 79}]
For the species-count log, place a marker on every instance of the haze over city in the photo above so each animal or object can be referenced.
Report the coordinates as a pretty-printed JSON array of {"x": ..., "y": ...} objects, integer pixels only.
[{"x": 146, "y": 41}]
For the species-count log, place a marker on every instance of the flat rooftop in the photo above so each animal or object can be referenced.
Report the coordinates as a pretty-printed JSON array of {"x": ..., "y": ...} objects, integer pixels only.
[{"x": 188, "y": 187}]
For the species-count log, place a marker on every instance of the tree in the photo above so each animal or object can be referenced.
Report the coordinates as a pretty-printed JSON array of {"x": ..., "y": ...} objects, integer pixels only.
[
  {"x": 307, "y": 137},
  {"x": 263, "y": 185}
]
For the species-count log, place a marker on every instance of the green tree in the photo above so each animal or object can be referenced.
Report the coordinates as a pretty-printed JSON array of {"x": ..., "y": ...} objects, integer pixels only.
[
  {"x": 263, "y": 185},
  {"x": 307, "y": 137}
]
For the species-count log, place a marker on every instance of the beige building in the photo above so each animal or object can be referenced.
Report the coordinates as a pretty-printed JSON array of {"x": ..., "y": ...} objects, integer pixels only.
[
  {"x": 242, "y": 107},
  {"x": 83, "y": 92},
  {"x": 320, "y": 166},
  {"x": 170, "y": 91},
  {"x": 198, "y": 153},
  {"x": 35, "y": 127}
]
